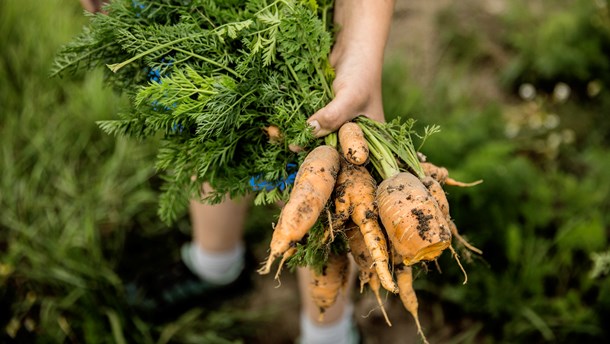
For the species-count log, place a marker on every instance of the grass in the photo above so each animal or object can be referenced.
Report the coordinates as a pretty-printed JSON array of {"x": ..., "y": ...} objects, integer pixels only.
[{"x": 71, "y": 196}]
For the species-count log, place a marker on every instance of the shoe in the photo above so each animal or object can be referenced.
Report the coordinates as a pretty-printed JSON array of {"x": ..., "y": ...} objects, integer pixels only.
[{"x": 167, "y": 293}]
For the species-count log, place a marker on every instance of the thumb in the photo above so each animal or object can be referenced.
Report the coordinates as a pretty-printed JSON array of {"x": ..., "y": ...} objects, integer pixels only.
[{"x": 329, "y": 118}]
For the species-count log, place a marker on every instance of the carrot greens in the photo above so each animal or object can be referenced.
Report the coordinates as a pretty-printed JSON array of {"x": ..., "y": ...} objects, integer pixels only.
[{"x": 205, "y": 78}]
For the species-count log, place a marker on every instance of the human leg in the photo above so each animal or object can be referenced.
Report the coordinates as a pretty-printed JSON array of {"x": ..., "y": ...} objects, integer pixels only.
[
  {"x": 337, "y": 326},
  {"x": 216, "y": 252}
]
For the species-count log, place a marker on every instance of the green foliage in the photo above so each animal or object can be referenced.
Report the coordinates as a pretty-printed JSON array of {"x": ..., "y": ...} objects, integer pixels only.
[
  {"x": 567, "y": 42},
  {"x": 206, "y": 77},
  {"x": 70, "y": 195},
  {"x": 541, "y": 214}
]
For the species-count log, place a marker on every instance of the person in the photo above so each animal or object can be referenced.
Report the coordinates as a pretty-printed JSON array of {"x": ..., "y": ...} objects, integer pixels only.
[{"x": 216, "y": 254}]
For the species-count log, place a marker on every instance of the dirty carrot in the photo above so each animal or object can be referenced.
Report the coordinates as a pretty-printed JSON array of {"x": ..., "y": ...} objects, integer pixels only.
[
  {"x": 357, "y": 187},
  {"x": 353, "y": 144},
  {"x": 436, "y": 190},
  {"x": 441, "y": 175},
  {"x": 404, "y": 277},
  {"x": 326, "y": 284},
  {"x": 313, "y": 186},
  {"x": 413, "y": 220},
  {"x": 363, "y": 260},
  {"x": 274, "y": 134}
]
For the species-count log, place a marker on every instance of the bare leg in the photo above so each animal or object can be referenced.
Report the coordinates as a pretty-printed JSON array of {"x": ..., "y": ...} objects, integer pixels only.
[
  {"x": 218, "y": 228},
  {"x": 337, "y": 325}
]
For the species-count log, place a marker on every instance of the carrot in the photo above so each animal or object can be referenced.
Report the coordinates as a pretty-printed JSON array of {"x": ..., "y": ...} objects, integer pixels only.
[
  {"x": 413, "y": 220},
  {"x": 275, "y": 136},
  {"x": 456, "y": 234},
  {"x": 404, "y": 277},
  {"x": 353, "y": 144},
  {"x": 363, "y": 260},
  {"x": 356, "y": 188},
  {"x": 326, "y": 284},
  {"x": 436, "y": 190},
  {"x": 441, "y": 175},
  {"x": 313, "y": 186}
]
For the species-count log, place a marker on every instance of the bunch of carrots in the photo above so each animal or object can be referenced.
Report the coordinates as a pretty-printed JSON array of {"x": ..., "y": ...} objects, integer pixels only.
[{"x": 383, "y": 200}]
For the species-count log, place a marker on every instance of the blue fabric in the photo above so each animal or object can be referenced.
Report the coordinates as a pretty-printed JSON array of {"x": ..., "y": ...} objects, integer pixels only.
[{"x": 258, "y": 184}]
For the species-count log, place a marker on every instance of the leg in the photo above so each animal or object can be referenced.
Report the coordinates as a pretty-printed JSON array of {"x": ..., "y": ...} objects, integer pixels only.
[
  {"x": 337, "y": 324},
  {"x": 218, "y": 228},
  {"x": 217, "y": 251}
]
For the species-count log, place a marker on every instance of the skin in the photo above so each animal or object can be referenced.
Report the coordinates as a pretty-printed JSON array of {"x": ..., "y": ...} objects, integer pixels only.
[
  {"x": 92, "y": 5},
  {"x": 358, "y": 60}
]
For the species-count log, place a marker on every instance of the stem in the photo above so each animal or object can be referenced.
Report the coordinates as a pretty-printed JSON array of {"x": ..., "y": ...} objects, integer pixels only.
[
  {"x": 393, "y": 143},
  {"x": 324, "y": 82},
  {"x": 212, "y": 62},
  {"x": 80, "y": 58},
  {"x": 116, "y": 66},
  {"x": 381, "y": 157},
  {"x": 331, "y": 140}
]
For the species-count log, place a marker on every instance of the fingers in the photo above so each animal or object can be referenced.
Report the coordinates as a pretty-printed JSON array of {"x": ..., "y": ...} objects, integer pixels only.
[
  {"x": 331, "y": 117},
  {"x": 343, "y": 109}
]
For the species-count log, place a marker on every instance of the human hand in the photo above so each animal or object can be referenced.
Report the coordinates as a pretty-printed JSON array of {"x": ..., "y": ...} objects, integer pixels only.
[
  {"x": 357, "y": 58},
  {"x": 92, "y": 5}
]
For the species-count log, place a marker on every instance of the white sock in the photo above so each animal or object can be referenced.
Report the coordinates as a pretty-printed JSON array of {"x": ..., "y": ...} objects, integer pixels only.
[
  {"x": 215, "y": 267},
  {"x": 341, "y": 332}
]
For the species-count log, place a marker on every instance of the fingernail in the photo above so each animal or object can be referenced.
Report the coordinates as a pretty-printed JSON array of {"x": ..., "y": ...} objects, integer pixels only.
[{"x": 315, "y": 125}]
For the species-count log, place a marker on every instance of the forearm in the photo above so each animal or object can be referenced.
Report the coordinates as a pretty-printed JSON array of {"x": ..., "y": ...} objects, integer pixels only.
[{"x": 364, "y": 26}]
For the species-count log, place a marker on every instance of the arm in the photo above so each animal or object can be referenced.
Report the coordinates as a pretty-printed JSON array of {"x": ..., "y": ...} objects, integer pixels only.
[{"x": 358, "y": 60}]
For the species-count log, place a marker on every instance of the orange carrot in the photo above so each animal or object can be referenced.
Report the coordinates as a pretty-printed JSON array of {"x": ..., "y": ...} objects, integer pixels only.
[
  {"x": 436, "y": 190},
  {"x": 353, "y": 144},
  {"x": 275, "y": 136},
  {"x": 326, "y": 285},
  {"x": 365, "y": 263},
  {"x": 441, "y": 175},
  {"x": 356, "y": 188},
  {"x": 313, "y": 186},
  {"x": 404, "y": 277},
  {"x": 456, "y": 234},
  {"x": 413, "y": 220}
]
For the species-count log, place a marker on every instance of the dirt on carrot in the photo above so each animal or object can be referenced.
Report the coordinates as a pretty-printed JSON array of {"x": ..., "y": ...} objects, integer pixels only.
[
  {"x": 364, "y": 262},
  {"x": 312, "y": 189},
  {"x": 404, "y": 276},
  {"x": 326, "y": 284},
  {"x": 353, "y": 144},
  {"x": 413, "y": 220},
  {"x": 357, "y": 189}
]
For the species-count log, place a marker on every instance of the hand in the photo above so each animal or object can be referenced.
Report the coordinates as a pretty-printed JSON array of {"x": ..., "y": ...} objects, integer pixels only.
[
  {"x": 357, "y": 58},
  {"x": 92, "y": 5}
]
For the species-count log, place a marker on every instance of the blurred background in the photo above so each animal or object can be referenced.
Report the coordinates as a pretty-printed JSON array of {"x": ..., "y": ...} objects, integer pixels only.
[{"x": 521, "y": 90}]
